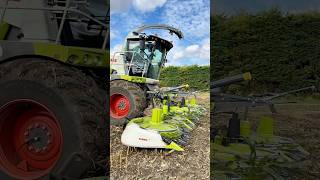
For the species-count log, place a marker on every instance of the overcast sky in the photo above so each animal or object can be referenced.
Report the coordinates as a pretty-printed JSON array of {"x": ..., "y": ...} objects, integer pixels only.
[
  {"x": 192, "y": 17},
  {"x": 230, "y": 7}
]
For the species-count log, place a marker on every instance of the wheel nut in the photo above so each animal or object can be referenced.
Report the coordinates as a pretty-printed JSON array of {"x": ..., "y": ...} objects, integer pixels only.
[{"x": 30, "y": 148}]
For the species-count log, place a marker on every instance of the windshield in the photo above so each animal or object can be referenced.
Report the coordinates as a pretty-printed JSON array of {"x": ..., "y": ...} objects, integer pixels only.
[
  {"x": 157, "y": 56},
  {"x": 152, "y": 53}
]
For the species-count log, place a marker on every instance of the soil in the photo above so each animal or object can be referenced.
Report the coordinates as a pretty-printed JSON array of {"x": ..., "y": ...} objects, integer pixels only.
[
  {"x": 298, "y": 121},
  {"x": 193, "y": 163}
]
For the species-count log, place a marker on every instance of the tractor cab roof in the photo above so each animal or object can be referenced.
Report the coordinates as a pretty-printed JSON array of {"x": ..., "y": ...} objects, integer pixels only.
[
  {"x": 164, "y": 43},
  {"x": 135, "y": 35}
]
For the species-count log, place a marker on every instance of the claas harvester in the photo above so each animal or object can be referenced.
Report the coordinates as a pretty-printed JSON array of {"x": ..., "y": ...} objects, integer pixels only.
[
  {"x": 54, "y": 65},
  {"x": 135, "y": 86}
]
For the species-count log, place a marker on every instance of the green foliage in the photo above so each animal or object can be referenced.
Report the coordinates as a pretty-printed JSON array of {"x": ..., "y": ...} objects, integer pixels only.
[
  {"x": 281, "y": 51},
  {"x": 198, "y": 77}
]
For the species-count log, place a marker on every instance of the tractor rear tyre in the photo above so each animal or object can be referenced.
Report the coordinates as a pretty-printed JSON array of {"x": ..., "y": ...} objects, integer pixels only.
[
  {"x": 127, "y": 101},
  {"x": 52, "y": 121}
]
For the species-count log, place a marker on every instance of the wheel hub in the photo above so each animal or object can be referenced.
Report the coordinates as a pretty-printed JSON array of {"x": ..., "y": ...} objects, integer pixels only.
[
  {"x": 31, "y": 137},
  {"x": 122, "y": 105},
  {"x": 119, "y": 106},
  {"x": 38, "y": 137}
]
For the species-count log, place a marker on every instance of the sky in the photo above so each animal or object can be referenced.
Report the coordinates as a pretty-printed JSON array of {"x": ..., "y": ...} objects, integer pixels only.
[
  {"x": 230, "y": 7},
  {"x": 192, "y": 17}
]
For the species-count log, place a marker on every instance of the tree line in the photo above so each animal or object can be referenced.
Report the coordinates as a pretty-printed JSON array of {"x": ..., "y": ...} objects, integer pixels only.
[
  {"x": 282, "y": 51},
  {"x": 197, "y": 77}
]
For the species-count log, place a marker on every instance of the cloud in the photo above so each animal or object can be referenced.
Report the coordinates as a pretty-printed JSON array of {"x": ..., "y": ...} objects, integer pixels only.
[
  {"x": 114, "y": 34},
  {"x": 204, "y": 52},
  {"x": 126, "y": 21},
  {"x": 192, "y": 17},
  {"x": 147, "y": 5},
  {"x": 119, "y": 5},
  {"x": 192, "y": 54},
  {"x": 115, "y": 48},
  {"x": 192, "y": 49}
]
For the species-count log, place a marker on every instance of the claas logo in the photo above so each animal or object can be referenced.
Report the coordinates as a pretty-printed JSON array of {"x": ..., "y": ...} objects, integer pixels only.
[{"x": 143, "y": 139}]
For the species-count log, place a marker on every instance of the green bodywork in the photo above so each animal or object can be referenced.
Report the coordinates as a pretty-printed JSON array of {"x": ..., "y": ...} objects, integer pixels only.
[
  {"x": 156, "y": 122},
  {"x": 4, "y": 28},
  {"x": 76, "y": 56},
  {"x": 73, "y": 55},
  {"x": 172, "y": 123},
  {"x": 134, "y": 79}
]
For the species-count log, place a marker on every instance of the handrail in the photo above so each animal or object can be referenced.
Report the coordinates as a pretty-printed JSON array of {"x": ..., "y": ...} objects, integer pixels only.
[
  {"x": 57, "y": 9},
  {"x": 4, "y": 11},
  {"x": 146, "y": 63},
  {"x": 63, "y": 20}
]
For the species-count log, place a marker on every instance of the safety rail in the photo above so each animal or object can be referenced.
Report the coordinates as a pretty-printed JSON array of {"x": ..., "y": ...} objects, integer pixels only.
[{"x": 132, "y": 60}]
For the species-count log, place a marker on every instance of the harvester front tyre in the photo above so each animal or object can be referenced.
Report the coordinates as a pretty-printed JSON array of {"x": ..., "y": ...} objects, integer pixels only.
[
  {"x": 127, "y": 101},
  {"x": 50, "y": 116}
]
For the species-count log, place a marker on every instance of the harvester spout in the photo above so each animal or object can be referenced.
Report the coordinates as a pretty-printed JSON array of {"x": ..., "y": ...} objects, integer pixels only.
[
  {"x": 231, "y": 80},
  {"x": 171, "y": 29}
]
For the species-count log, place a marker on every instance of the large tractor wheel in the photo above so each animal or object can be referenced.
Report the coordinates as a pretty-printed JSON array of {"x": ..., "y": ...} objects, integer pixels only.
[
  {"x": 127, "y": 101},
  {"x": 52, "y": 121}
]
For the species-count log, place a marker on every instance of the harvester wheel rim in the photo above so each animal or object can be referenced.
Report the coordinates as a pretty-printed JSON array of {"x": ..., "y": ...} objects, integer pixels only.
[
  {"x": 119, "y": 106},
  {"x": 33, "y": 139}
]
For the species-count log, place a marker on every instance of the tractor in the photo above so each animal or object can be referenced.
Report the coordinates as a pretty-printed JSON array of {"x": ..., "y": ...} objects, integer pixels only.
[
  {"x": 54, "y": 60},
  {"x": 135, "y": 72}
]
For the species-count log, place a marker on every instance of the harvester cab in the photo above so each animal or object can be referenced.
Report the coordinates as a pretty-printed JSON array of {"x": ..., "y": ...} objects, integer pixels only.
[{"x": 143, "y": 55}]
